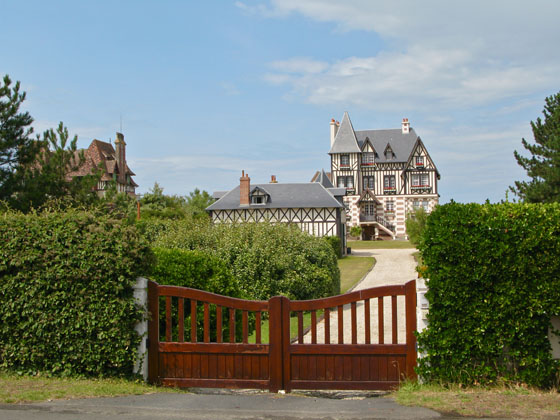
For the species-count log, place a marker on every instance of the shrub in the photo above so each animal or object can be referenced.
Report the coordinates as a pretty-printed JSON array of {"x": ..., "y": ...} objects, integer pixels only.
[
  {"x": 335, "y": 243},
  {"x": 356, "y": 231},
  {"x": 267, "y": 260},
  {"x": 66, "y": 286},
  {"x": 415, "y": 225},
  {"x": 494, "y": 282},
  {"x": 197, "y": 270}
]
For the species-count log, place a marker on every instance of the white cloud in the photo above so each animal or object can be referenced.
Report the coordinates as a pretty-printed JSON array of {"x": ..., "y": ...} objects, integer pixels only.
[{"x": 449, "y": 53}]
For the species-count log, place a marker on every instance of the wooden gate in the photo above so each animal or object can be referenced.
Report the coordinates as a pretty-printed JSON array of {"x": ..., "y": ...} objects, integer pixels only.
[{"x": 360, "y": 340}]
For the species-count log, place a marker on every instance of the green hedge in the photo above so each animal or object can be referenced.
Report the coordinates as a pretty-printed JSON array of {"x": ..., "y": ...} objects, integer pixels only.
[
  {"x": 66, "y": 285},
  {"x": 335, "y": 243},
  {"x": 266, "y": 260},
  {"x": 494, "y": 282},
  {"x": 197, "y": 270}
]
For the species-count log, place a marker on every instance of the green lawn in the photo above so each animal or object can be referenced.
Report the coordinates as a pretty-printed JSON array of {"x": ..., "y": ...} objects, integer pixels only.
[
  {"x": 22, "y": 388},
  {"x": 352, "y": 270},
  {"x": 502, "y": 402},
  {"x": 379, "y": 244}
]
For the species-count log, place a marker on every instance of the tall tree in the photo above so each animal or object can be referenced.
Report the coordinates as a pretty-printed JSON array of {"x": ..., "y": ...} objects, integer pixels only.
[
  {"x": 197, "y": 201},
  {"x": 543, "y": 167},
  {"x": 49, "y": 177},
  {"x": 17, "y": 148}
]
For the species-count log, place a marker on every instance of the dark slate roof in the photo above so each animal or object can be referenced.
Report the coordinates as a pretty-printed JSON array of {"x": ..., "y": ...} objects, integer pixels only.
[
  {"x": 401, "y": 144},
  {"x": 345, "y": 140},
  {"x": 216, "y": 195},
  {"x": 337, "y": 191},
  {"x": 323, "y": 179},
  {"x": 308, "y": 195}
]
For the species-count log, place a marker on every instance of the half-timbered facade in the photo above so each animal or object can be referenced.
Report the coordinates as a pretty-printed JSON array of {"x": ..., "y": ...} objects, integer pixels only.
[
  {"x": 386, "y": 175},
  {"x": 314, "y": 208}
]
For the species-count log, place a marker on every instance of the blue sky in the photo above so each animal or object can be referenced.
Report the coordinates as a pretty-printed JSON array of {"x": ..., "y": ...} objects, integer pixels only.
[{"x": 206, "y": 89}]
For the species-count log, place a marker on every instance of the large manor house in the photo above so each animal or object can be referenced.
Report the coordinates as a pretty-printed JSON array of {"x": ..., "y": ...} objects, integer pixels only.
[
  {"x": 377, "y": 178},
  {"x": 386, "y": 173}
]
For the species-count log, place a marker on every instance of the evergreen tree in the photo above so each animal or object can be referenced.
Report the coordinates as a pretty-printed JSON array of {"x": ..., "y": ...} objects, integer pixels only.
[
  {"x": 17, "y": 148},
  {"x": 543, "y": 167},
  {"x": 197, "y": 201},
  {"x": 49, "y": 178}
]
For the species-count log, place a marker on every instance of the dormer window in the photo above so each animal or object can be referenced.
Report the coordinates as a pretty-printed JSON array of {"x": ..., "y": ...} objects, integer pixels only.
[
  {"x": 344, "y": 161},
  {"x": 419, "y": 161},
  {"x": 368, "y": 159},
  {"x": 259, "y": 196},
  {"x": 389, "y": 155}
]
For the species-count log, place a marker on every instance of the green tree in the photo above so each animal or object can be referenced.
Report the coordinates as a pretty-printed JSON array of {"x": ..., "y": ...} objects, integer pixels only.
[
  {"x": 50, "y": 177},
  {"x": 543, "y": 167},
  {"x": 415, "y": 225},
  {"x": 197, "y": 201},
  {"x": 155, "y": 204},
  {"x": 17, "y": 148}
]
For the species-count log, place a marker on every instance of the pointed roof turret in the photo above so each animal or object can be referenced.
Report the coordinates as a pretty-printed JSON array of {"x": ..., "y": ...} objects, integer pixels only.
[
  {"x": 345, "y": 140},
  {"x": 324, "y": 180}
]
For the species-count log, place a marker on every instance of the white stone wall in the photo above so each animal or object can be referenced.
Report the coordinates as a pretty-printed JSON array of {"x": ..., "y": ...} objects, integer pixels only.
[{"x": 352, "y": 202}]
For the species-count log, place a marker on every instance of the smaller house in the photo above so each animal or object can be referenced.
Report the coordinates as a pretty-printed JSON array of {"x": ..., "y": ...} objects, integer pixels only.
[
  {"x": 315, "y": 207},
  {"x": 112, "y": 162}
]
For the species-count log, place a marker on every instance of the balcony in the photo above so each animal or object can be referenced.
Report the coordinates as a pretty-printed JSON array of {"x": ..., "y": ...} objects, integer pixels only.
[
  {"x": 377, "y": 219},
  {"x": 389, "y": 190},
  {"x": 421, "y": 189}
]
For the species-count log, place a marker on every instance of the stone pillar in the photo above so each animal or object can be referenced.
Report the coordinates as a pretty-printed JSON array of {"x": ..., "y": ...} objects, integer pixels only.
[{"x": 141, "y": 298}]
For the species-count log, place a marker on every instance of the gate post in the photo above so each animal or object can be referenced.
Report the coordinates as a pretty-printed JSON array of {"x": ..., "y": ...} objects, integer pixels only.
[
  {"x": 275, "y": 361},
  {"x": 410, "y": 302},
  {"x": 153, "y": 332}
]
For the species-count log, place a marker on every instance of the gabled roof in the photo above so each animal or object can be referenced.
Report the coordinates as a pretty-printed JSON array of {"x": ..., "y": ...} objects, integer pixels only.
[
  {"x": 305, "y": 195},
  {"x": 259, "y": 188},
  {"x": 345, "y": 140},
  {"x": 322, "y": 178},
  {"x": 401, "y": 144},
  {"x": 368, "y": 195}
]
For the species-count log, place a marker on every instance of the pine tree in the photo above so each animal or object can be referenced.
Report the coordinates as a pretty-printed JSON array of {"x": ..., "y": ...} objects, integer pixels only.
[
  {"x": 17, "y": 148},
  {"x": 543, "y": 167}
]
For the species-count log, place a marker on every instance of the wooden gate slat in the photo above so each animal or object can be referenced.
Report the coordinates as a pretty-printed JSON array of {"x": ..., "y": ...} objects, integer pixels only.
[
  {"x": 193, "y": 320},
  {"x": 181, "y": 314},
  {"x": 394, "y": 320}
]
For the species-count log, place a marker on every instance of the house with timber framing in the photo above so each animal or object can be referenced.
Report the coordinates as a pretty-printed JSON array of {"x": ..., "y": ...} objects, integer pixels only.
[
  {"x": 386, "y": 175},
  {"x": 315, "y": 207}
]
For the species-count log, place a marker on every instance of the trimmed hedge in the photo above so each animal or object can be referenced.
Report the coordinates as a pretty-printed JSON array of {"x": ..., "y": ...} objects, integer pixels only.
[
  {"x": 66, "y": 285},
  {"x": 494, "y": 282},
  {"x": 335, "y": 243},
  {"x": 266, "y": 259},
  {"x": 197, "y": 270}
]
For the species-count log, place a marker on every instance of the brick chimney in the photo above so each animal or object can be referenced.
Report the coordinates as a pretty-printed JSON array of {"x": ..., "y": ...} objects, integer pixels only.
[
  {"x": 334, "y": 130},
  {"x": 244, "y": 189},
  {"x": 120, "y": 150},
  {"x": 273, "y": 179},
  {"x": 405, "y": 126}
]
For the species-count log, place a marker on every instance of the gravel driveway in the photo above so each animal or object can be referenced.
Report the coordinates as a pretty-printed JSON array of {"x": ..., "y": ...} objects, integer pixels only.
[{"x": 394, "y": 266}]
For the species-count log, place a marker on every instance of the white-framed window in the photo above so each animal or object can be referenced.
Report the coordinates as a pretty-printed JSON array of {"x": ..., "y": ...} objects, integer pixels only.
[
  {"x": 420, "y": 180},
  {"x": 344, "y": 161},
  {"x": 369, "y": 209},
  {"x": 345, "y": 182},
  {"x": 389, "y": 206},
  {"x": 419, "y": 161},
  {"x": 425, "y": 205},
  {"x": 368, "y": 159},
  {"x": 369, "y": 182},
  {"x": 258, "y": 199},
  {"x": 389, "y": 183}
]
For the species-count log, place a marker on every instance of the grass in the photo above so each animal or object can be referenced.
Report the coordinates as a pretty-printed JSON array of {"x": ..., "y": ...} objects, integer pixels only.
[
  {"x": 22, "y": 388},
  {"x": 379, "y": 244},
  {"x": 352, "y": 270},
  {"x": 517, "y": 402}
]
